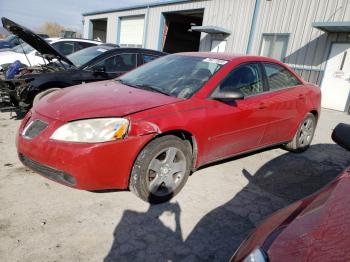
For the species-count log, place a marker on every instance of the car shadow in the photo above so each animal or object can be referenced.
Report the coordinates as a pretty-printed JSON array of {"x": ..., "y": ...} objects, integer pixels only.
[{"x": 141, "y": 236}]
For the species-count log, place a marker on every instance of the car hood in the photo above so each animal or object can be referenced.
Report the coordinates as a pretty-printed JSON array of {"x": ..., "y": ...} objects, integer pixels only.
[
  {"x": 10, "y": 53},
  {"x": 322, "y": 230},
  {"x": 305, "y": 227},
  {"x": 34, "y": 40},
  {"x": 99, "y": 99},
  {"x": 7, "y": 52}
]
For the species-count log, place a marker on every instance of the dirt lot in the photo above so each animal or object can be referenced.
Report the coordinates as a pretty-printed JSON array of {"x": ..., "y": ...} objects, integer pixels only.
[{"x": 44, "y": 221}]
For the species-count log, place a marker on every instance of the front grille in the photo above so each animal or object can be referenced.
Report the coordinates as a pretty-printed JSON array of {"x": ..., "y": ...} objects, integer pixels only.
[
  {"x": 48, "y": 172},
  {"x": 34, "y": 128}
]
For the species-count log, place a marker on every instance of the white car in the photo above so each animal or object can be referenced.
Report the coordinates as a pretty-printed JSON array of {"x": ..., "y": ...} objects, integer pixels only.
[{"x": 27, "y": 55}]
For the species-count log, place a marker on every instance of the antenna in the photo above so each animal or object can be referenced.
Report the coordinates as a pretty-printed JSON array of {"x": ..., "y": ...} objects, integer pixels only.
[{"x": 20, "y": 43}]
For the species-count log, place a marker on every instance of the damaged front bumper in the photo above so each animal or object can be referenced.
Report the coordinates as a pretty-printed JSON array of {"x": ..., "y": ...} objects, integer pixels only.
[{"x": 11, "y": 95}]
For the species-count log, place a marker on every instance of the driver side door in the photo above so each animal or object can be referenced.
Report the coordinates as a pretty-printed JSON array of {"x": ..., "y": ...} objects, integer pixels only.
[{"x": 238, "y": 126}]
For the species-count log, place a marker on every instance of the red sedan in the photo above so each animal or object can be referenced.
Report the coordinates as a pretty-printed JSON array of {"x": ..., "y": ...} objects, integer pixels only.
[
  {"x": 313, "y": 229},
  {"x": 148, "y": 129}
]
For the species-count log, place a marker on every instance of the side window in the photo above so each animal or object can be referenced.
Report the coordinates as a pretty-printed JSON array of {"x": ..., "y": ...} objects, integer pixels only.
[
  {"x": 278, "y": 77},
  {"x": 117, "y": 63},
  {"x": 82, "y": 45},
  {"x": 148, "y": 58},
  {"x": 245, "y": 78},
  {"x": 64, "y": 48}
]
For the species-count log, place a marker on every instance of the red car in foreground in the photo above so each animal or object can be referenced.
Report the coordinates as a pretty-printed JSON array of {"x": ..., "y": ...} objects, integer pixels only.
[
  {"x": 148, "y": 129},
  {"x": 316, "y": 228}
]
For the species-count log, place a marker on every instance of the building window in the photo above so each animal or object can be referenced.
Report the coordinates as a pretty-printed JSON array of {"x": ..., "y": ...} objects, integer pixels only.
[{"x": 274, "y": 45}]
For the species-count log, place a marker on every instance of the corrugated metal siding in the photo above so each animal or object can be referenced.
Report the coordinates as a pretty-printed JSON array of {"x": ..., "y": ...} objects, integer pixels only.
[
  {"x": 234, "y": 15},
  {"x": 308, "y": 47},
  {"x": 112, "y": 20}
]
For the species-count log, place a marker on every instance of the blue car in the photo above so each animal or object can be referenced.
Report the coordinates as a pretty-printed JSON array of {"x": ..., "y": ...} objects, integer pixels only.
[{"x": 9, "y": 42}]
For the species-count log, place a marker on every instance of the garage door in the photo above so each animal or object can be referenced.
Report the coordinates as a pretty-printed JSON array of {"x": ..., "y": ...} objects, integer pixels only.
[{"x": 131, "y": 31}]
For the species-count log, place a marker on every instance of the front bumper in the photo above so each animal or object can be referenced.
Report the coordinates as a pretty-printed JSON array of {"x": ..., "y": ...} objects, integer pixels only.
[{"x": 85, "y": 166}]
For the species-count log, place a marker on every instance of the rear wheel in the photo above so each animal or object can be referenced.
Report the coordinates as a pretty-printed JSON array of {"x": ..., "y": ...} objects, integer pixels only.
[
  {"x": 44, "y": 93},
  {"x": 161, "y": 169},
  {"x": 304, "y": 135}
]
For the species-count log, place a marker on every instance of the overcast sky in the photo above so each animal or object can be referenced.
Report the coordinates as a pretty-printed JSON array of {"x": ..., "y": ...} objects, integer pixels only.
[{"x": 33, "y": 13}]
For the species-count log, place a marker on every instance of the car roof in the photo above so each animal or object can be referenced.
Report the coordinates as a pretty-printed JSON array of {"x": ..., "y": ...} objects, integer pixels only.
[
  {"x": 57, "y": 39},
  {"x": 229, "y": 56},
  {"x": 114, "y": 50},
  {"x": 214, "y": 55}
]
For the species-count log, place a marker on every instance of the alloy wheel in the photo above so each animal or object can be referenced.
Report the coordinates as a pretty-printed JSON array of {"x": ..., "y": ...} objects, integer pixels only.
[
  {"x": 306, "y": 132},
  {"x": 166, "y": 171}
]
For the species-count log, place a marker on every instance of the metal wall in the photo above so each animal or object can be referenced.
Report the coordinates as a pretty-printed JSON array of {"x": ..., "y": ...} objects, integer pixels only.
[
  {"x": 235, "y": 15},
  {"x": 308, "y": 48}
]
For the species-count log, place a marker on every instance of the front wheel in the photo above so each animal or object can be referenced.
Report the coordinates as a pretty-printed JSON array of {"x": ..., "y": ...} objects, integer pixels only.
[
  {"x": 161, "y": 169},
  {"x": 304, "y": 135}
]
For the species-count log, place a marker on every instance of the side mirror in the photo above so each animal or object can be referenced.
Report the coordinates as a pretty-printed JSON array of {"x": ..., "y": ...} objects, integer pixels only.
[
  {"x": 341, "y": 135},
  {"x": 228, "y": 96},
  {"x": 99, "y": 69}
]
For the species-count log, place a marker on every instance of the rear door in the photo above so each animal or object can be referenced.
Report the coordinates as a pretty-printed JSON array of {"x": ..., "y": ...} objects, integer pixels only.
[
  {"x": 114, "y": 66},
  {"x": 235, "y": 127},
  {"x": 117, "y": 65},
  {"x": 145, "y": 58},
  {"x": 286, "y": 99}
]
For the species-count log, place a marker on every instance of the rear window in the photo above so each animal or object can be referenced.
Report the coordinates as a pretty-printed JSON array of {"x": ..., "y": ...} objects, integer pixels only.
[
  {"x": 85, "y": 55},
  {"x": 279, "y": 77}
]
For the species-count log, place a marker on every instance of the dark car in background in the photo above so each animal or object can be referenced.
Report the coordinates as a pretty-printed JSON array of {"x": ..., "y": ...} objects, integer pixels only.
[
  {"x": 313, "y": 229},
  {"x": 91, "y": 64}
]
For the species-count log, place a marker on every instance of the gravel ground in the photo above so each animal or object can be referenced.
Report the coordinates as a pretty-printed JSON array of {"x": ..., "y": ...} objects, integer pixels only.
[{"x": 43, "y": 221}]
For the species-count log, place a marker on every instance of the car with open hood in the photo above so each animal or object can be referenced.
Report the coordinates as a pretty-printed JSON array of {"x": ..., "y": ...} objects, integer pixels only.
[
  {"x": 91, "y": 64},
  {"x": 28, "y": 56},
  {"x": 148, "y": 129},
  {"x": 315, "y": 228}
]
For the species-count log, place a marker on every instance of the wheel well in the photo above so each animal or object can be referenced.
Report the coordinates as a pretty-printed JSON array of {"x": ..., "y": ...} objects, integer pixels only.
[
  {"x": 315, "y": 113},
  {"x": 184, "y": 135}
]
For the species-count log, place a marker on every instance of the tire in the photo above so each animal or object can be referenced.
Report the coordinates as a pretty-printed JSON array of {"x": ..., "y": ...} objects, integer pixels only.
[
  {"x": 44, "y": 93},
  {"x": 304, "y": 135},
  {"x": 153, "y": 178}
]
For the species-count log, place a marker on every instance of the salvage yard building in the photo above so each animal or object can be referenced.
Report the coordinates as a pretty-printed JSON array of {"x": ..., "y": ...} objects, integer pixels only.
[{"x": 312, "y": 36}]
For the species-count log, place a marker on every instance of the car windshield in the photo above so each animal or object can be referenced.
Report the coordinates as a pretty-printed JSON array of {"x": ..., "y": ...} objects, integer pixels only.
[
  {"x": 174, "y": 75},
  {"x": 85, "y": 55},
  {"x": 10, "y": 38},
  {"x": 23, "y": 48}
]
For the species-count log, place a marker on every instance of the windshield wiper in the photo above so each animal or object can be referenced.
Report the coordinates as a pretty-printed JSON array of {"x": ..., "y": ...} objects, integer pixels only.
[
  {"x": 151, "y": 88},
  {"x": 124, "y": 82},
  {"x": 143, "y": 86}
]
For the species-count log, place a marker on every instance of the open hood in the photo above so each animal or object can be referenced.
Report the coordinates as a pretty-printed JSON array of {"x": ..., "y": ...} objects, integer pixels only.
[{"x": 34, "y": 40}]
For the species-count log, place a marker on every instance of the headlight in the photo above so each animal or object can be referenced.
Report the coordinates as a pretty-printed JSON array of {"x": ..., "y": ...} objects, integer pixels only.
[
  {"x": 257, "y": 255},
  {"x": 92, "y": 130}
]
